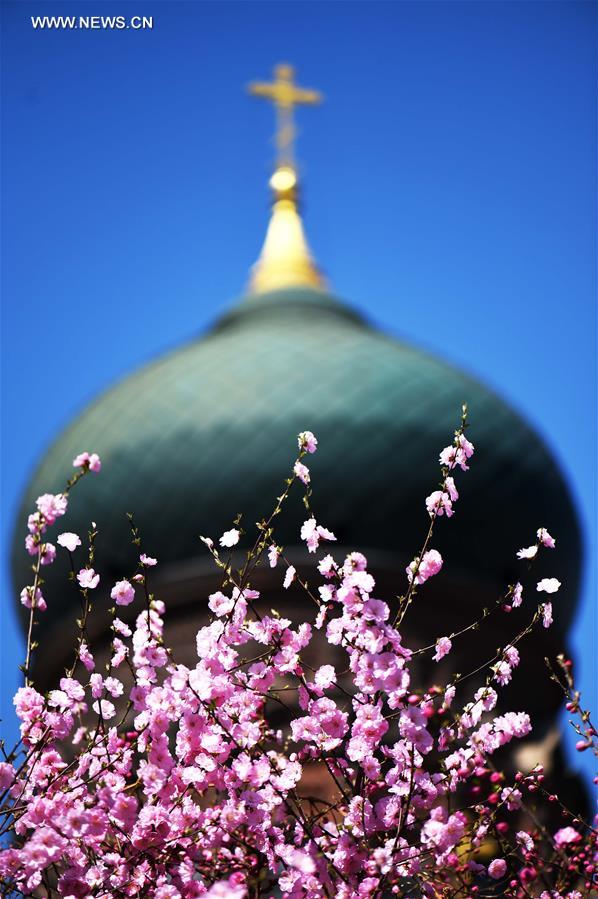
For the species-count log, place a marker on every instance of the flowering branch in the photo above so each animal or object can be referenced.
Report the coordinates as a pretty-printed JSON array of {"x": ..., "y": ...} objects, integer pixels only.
[{"x": 162, "y": 780}]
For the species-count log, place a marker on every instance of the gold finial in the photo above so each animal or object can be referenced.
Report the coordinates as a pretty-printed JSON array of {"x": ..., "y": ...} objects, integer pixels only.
[
  {"x": 285, "y": 260},
  {"x": 285, "y": 95}
]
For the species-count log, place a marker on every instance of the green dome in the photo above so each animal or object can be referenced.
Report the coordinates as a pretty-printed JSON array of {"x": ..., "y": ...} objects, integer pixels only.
[{"x": 210, "y": 429}]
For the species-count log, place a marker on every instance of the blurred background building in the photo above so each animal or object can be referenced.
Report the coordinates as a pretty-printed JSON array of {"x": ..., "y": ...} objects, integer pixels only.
[
  {"x": 446, "y": 189},
  {"x": 209, "y": 430}
]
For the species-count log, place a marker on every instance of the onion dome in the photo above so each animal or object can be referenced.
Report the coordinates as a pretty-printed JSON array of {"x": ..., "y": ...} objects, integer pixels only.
[{"x": 209, "y": 430}]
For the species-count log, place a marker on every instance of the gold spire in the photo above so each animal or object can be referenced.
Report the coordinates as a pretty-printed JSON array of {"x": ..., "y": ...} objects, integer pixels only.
[{"x": 285, "y": 260}]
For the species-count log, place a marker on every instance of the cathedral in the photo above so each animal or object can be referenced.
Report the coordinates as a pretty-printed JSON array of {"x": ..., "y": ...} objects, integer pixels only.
[{"x": 209, "y": 431}]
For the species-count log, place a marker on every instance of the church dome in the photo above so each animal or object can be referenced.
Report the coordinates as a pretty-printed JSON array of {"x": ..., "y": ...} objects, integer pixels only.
[{"x": 209, "y": 430}]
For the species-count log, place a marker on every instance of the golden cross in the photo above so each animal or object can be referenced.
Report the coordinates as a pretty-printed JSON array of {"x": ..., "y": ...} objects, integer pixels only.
[{"x": 285, "y": 96}]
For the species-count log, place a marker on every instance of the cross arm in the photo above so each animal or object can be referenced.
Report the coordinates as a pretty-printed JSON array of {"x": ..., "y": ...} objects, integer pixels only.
[
  {"x": 258, "y": 89},
  {"x": 312, "y": 98}
]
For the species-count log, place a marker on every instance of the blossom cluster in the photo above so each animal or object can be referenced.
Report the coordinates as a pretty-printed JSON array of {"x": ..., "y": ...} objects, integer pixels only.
[{"x": 157, "y": 779}]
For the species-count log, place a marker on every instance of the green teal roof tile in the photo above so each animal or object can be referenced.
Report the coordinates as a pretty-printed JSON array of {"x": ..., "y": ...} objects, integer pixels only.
[{"x": 210, "y": 430}]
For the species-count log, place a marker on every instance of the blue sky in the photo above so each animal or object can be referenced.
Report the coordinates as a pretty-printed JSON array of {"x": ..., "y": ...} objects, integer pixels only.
[{"x": 449, "y": 185}]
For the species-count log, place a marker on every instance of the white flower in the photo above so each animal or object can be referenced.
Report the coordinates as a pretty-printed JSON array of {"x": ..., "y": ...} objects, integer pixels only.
[
  {"x": 289, "y": 577},
  {"x": 230, "y": 538},
  {"x": 69, "y": 541},
  {"x": 105, "y": 708},
  {"x": 88, "y": 579},
  {"x": 528, "y": 553},
  {"x": 273, "y": 555},
  {"x": 548, "y": 585}
]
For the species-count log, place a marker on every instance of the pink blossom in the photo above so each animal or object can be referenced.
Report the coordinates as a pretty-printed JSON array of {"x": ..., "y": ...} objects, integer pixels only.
[
  {"x": 52, "y": 506},
  {"x": 307, "y": 441},
  {"x": 375, "y": 610},
  {"x": 565, "y": 836},
  {"x": 371, "y": 767},
  {"x": 458, "y": 454},
  {"x": 302, "y": 472},
  {"x": 429, "y": 565},
  {"x": 512, "y": 797},
  {"x": 502, "y": 672},
  {"x": 545, "y": 538},
  {"x": 512, "y": 656},
  {"x": 325, "y": 534},
  {"x": 226, "y": 889},
  {"x": 368, "y": 729},
  {"x": 301, "y": 861},
  {"x": 497, "y": 868},
  {"x": 413, "y": 727},
  {"x": 89, "y": 461},
  {"x": 355, "y": 562},
  {"x": 88, "y": 579},
  {"x": 448, "y": 456},
  {"x": 120, "y": 652},
  {"x": 547, "y": 614},
  {"x": 449, "y": 486},
  {"x": 27, "y": 599},
  {"x": 289, "y": 577},
  {"x": 121, "y": 628},
  {"x": 148, "y": 561},
  {"x": 96, "y": 683},
  {"x": 443, "y": 835},
  {"x": 149, "y": 800},
  {"x": 548, "y": 585},
  {"x": 517, "y": 595},
  {"x": 466, "y": 447},
  {"x": 69, "y": 541},
  {"x": 36, "y": 524},
  {"x": 325, "y": 676},
  {"x": 273, "y": 555},
  {"x": 86, "y": 657},
  {"x": 525, "y": 840},
  {"x": 230, "y": 538},
  {"x": 325, "y": 725},
  {"x": 7, "y": 775},
  {"x": 168, "y": 891},
  {"x": 443, "y": 647},
  {"x": 47, "y": 553},
  {"x": 72, "y": 688},
  {"x": 113, "y": 686},
  {"x": 122, "y": 593},
  {"x": 220, "y": 604},
  {"x": 492, "y": 735},
  {"x": 439, "y": 503},
  {"x": 28, "y": 703},
  {"x": 312, "y": 533},
  {"x": 152, "y": 655},
  {"x": 327, "y": 566},
  {"x": 487, "y": 696}
]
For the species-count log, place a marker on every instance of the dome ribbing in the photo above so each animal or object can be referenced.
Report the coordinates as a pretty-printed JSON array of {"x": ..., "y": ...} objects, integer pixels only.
[{"x": 209, "y": 430}]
